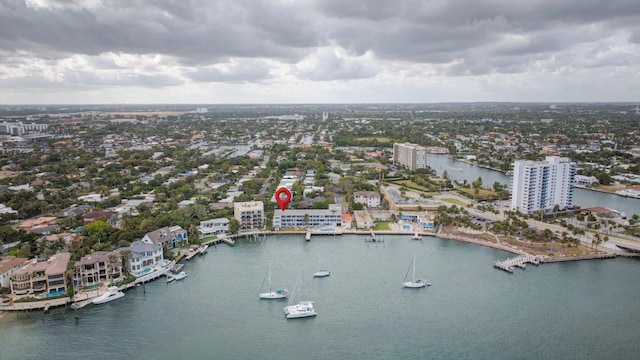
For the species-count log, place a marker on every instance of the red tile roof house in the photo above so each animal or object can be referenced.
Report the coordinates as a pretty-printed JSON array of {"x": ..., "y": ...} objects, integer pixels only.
[{"x": 96, "y": 215}]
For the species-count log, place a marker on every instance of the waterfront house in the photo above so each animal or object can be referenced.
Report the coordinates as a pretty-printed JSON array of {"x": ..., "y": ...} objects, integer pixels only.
[
  {"x": 423, "y": 218},
  {"x": 98, "y": 268},
  {"x": 171, "y": 236},
  {"x": 213, "y": 227},
  {"x": 347, "y": 219},
  {"x": 363, "y": 219},
  {"x": 41, "y": 276},
  {"x": 8, "y": 265},
  {"x": 145, "y": 255}
]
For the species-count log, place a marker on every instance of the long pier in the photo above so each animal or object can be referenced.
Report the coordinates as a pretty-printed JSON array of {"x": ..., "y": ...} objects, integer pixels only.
[{"x": 509, "y": 265}]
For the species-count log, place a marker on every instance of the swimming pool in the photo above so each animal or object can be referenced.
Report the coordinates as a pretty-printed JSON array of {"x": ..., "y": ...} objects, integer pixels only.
[
  {"x": 91, "y": 287},
  {"x": 54, "y": 293},
  {"x": 406, "y": 227}
]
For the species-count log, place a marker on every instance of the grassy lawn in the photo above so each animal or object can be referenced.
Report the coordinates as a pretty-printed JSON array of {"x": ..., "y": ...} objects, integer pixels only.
[
  {"x": 452, "y": 201},
  {"x": 381, "y": 226},
  {"x": 378, "y": 138},
  {"x": 483, "y": 194}
]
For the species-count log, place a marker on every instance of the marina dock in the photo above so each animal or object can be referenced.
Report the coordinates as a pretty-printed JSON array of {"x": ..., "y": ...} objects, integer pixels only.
[
  {"x": 509, "y": 265},
  {"x": 373, "y": 238}
]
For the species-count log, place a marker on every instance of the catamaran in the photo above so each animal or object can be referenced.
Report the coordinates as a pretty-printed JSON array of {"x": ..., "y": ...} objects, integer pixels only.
[{"x": 302, "y": 308}]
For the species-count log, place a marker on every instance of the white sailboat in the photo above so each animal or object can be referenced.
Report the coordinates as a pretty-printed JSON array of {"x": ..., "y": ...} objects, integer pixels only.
[
  {"x": 414, "y": 283},
  {"x": 273, "y": 294},
  {"x": 322, "y": 272},
  {"x": 302, "y": 308}
]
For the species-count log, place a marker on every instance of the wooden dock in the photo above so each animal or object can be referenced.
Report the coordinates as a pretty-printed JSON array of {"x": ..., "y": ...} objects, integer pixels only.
[{"x": 373, "y": 238}]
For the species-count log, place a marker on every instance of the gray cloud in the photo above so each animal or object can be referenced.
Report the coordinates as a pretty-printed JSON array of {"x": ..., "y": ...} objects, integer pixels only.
[{"x": 87, "y": 43}]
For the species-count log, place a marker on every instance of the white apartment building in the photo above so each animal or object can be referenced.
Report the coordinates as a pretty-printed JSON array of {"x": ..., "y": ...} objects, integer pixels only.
[
  {"x": 308, "y": 218},
  {"x": 369, "y": 198},
  {"x": 541, "y": 185},
  {"x": 410, "y": 155},
  {"x": 249, "y": 214}
]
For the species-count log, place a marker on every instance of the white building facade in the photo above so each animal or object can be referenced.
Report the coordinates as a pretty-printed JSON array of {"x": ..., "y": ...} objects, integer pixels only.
[
  {"x": 145, "y": 255},
  {"x": 410, "y": 155},
  {"x": 369, "y": 198},
  {"x": 213, "y": 227},
  {"x": 541, "y": 185},
  {"x": 308, "y": 218}
]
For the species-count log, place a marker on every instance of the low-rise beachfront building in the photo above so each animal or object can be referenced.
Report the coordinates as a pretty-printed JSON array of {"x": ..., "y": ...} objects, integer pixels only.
[
  {"x": 363, "y": 219},
  {"x": 171, "y": 236},
  {"x": 42, "y": 276},
  {"x": 308, "y": 218},
  {"x": 213, "y": 227},
  {"x": 145, "y": 255},
  {"x": 582, "y": 180},
  {"x": 347, "y": 219},
  {"x": 423, "y": 218},
  {"x": 250, "y": 215},
  {"x": 8, "y": 265},
  {"x": 369, "y": 198},
  {"x": 97, "y": 268}
]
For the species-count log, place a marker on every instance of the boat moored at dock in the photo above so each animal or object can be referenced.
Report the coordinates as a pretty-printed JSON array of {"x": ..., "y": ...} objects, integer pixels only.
[{"x": 112, "y": 294}]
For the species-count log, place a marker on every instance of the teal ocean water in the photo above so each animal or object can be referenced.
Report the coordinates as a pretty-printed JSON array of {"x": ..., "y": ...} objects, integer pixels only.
[{"x": 573, "y": 310}]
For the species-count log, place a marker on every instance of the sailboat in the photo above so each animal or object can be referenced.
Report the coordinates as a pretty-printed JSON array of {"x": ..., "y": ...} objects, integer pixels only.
[
  {"x": 322, "y": 272},
  {"x": 302, "y": 308},
  {"x": 414, "y": 283},
  {"x": 273, "y": 294}
]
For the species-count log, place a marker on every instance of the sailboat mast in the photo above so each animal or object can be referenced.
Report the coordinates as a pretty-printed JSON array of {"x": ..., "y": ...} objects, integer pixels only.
[{"x": 414, "y": 267}]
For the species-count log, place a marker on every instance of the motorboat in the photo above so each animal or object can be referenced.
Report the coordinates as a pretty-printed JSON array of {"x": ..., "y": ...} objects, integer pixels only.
[
  {"x": 181, "y": 275},
  {"x": 322, "y": 273},
  {"x": 273, "y": 294},
  {"x": 203, "y": 249},
  {"x": 416, "y": 236},
  {"x": 112, "y": 294}
]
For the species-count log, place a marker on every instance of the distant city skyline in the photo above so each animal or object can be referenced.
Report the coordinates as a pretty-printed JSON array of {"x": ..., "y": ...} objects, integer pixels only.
[{"x": 318, "y": 51}]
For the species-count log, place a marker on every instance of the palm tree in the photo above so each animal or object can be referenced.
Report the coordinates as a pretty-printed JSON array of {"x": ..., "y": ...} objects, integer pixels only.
[
  {"x": 126, "y": 256},
  {"x": 112, "y": 260}
]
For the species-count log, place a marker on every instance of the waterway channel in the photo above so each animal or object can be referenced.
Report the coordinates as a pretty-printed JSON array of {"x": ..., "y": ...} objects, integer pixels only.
[
  {"x": 458, "y": 170},
  {"x": 573, "y": 310}
]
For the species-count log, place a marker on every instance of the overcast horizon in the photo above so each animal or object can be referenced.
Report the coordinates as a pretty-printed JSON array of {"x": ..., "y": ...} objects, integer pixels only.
[{"x": 318, "y": 51}]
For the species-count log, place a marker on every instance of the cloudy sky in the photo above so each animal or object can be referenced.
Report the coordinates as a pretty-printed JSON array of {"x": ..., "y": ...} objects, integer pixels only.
[{"x": 318, "y": 51}]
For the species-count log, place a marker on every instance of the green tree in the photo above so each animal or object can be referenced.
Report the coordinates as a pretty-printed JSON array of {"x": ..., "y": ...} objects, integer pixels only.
[{"x": 234, "y": 226}]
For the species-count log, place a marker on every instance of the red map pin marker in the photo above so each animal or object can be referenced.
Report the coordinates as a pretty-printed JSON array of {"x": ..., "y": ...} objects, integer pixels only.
[{"x": 283, "y": 197}]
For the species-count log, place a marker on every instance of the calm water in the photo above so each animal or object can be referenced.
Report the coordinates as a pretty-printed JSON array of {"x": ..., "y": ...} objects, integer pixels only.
[
  {"x": 460, "y": 171},
  {"x": 579, "y": 310}
]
